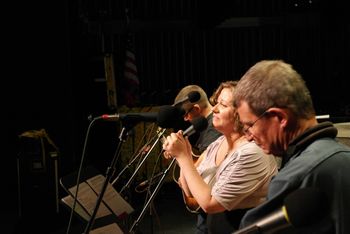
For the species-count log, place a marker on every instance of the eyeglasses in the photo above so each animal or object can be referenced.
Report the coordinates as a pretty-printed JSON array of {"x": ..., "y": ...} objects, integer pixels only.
[
  {"x": 188, "y": 111},
  {"x": 247, "y": 130}
]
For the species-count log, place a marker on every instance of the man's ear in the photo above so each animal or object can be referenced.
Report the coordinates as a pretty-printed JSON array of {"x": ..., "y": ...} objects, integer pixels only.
[
  {"x": 197, "y": 108},
  {"x": 281, "y": 114}
]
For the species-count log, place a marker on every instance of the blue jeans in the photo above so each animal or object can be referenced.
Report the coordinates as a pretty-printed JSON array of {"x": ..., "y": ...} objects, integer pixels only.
[{"x": 201, "y": 227}]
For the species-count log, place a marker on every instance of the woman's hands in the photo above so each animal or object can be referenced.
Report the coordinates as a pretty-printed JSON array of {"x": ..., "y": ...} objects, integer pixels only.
[{"x": 177, "y": 146}]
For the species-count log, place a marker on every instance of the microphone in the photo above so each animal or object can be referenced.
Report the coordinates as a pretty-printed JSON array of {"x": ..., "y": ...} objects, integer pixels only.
[
  {"x": 144, "y": 184},
  {"x": 170, "y": 116},
  {"x": 131, "y": 117},
  {"x": 166, "y": 117},
  {"x": 198, "y": 125},
  {"x": 193, "y": 96},
  {"x": 301, "y": 207}
]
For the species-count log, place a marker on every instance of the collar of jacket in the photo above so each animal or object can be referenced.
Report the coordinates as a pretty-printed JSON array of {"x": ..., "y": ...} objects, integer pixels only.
[{"x": 321, "y": 130}]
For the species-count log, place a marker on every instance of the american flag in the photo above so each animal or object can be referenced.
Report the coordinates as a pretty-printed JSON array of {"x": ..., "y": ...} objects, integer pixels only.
[{"x": 131, "y": 89}]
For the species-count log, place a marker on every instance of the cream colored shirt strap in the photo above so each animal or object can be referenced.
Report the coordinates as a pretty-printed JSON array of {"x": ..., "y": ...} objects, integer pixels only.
[{"x": 242, "y": 179}]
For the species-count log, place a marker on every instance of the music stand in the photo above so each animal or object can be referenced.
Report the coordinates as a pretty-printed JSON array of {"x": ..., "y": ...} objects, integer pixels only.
[{"x": 111, "y": 169}]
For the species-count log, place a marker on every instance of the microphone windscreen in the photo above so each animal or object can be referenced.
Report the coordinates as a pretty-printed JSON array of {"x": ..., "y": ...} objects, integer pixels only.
[
  {"x": 194, "y": 96},
  {"x": 304, "y": 206},
  {"x": 169, "y": 116}
]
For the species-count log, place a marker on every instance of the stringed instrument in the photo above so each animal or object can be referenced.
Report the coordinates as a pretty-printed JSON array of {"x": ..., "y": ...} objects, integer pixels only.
[{"x": 191, "y": 203}]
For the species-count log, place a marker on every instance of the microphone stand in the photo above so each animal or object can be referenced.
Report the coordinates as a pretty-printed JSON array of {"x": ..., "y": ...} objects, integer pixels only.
[
  {"x": 124, "y": 169},
  {"x": 141, "y": 153},
  {"x": 165, "y": 172},
  {"x": 143, "y": 160},
  {"x": 109, "y": 172}
]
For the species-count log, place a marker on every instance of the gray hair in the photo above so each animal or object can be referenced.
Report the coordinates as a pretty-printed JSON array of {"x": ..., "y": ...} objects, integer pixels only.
[{"x": 274, "y": 83}]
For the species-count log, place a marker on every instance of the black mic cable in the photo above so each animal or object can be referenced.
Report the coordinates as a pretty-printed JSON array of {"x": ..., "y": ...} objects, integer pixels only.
[{"x": 75, "y": 198}]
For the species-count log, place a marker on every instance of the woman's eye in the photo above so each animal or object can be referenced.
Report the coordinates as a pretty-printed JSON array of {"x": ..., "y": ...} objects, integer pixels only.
[{"x": 222, "y": 104}]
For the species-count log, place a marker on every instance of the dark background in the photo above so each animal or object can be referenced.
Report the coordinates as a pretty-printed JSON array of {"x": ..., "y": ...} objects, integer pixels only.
[{"x": 53, "y": 61}]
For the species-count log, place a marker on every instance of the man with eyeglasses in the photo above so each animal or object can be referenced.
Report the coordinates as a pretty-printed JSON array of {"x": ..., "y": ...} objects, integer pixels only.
[
  {"x": 276, "y": 108},
  {"x": 201, "y": 140}
]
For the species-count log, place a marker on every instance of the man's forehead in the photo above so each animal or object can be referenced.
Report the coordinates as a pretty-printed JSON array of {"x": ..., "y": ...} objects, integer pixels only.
[{"x": 245, "y": 112}]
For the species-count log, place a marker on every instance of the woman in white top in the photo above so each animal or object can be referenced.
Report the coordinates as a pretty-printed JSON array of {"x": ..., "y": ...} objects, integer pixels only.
[{"x": 232, "y": 175}]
